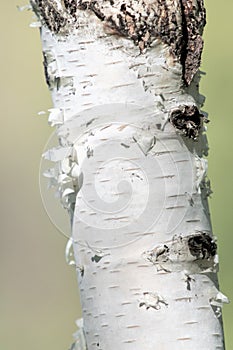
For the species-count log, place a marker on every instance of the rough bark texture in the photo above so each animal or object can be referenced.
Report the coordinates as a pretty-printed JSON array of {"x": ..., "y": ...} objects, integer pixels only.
[
  {"x": 177, "y": 23},
  {"x": 131, "y": 169}
]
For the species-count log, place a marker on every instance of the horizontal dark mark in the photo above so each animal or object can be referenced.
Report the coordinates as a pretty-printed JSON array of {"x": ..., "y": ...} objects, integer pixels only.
[
  {"x": 120, "y": 315},
  {"x": 118, "y": 218},
  {"x": 177, "y": 195},
  {"x": 114, "y": 271},
  {"x": 130, "y": 169},
  {"x": 129, "y": 341},
  {"x": 116, "y": 47},
  {"x": 86, "y": 42},
  {"x": 165, "y": 177},
  {"x": 147, "y": 75},
  {"x": 91, "y": 75},
  {"x": 72, "y": 50},
  {"x": 177, "y": 207},
  {"x": 183, "y": 298},
  {"x": 161, "y": 153},
  {"x": 182, "y": 161},
  {"x": 136, "y": 65},
  {"x": 122, "y": 85},
  {"x": 113, "y": 62}
]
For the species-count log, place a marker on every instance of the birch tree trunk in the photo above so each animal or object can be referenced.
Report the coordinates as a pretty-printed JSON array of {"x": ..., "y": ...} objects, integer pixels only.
[{"x": 131, "y": 169}]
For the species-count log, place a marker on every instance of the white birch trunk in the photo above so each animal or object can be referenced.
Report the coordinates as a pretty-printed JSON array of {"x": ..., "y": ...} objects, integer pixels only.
[{"x": 135, "y": 186}]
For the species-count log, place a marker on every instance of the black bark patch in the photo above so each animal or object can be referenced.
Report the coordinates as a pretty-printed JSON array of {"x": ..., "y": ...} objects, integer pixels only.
[
  {"x": 188, "y": 281},
  {"x": 179, "y": 24},
  {"x": 193, "y": 22},
  {"x": 202, "y": 246},
  {"x": 71, "y": 7},
  {"x": 81, "y": 270},
  {"x": 188, "y": 120},
  {"x": 96, "y": 258},
  {"x": 50, "y": 15},
  {"x": 93, "y": 6}
]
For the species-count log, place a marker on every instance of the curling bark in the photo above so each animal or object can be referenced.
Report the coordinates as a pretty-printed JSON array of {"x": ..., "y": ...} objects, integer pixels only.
[{"x": 131, "y": 169}]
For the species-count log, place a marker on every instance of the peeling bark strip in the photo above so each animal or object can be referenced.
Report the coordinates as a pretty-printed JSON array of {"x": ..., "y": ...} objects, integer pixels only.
[{"x": 179, "y": 24}]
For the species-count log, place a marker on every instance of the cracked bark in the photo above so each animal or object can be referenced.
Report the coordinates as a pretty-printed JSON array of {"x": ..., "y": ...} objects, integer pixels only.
[{"x": 131, "y": 169}]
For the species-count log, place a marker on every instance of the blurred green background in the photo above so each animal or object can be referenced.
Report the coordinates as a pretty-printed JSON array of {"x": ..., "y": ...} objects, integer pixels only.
[{"x": 38, "y": 290}]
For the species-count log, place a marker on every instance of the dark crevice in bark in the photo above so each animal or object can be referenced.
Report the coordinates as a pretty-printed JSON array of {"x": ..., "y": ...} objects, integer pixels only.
[
  {"x": 184, "y": 53},
  {"x": 202, "y": 246},
  {"x": 193, "y": 22},
  {"x": 188, "y": 120}
]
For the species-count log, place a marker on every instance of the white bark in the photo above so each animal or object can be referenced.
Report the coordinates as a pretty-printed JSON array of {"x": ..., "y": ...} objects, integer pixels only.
[{"x": 137, "y": 192}]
